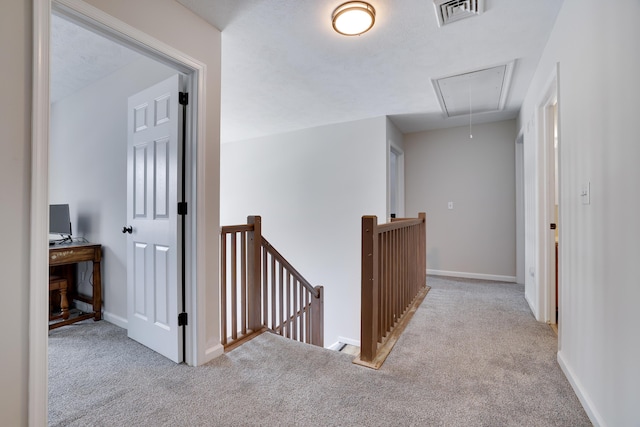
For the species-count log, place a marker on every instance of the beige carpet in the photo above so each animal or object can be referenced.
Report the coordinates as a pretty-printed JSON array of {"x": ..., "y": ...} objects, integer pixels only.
[{"x": 472, "y": 355}]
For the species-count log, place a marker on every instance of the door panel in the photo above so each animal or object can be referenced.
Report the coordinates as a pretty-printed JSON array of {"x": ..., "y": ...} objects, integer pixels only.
[{"x": 154, "y": 293}]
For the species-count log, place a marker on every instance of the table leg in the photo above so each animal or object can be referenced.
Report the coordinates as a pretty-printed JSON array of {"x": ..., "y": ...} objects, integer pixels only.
[
  {"x": 97, "y": 291},
  {"x": 64, "y": 302}
]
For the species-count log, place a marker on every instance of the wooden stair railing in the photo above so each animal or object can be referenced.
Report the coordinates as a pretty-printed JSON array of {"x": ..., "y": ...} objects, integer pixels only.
[
  {"x": 393, "y": 283},
  {"x": 260, "y": 290}
]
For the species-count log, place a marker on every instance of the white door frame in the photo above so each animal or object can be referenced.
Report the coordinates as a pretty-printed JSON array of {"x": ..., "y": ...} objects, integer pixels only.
[
  {"x": 520, "y": 209},
  {"x": 400, "y": 196},
  {"x": 117, "y": 30},
  {"x": 547, "y": 201}
]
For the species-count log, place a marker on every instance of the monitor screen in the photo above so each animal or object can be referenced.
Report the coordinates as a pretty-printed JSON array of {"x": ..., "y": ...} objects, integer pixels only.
[{"x": 59, "y": 220}]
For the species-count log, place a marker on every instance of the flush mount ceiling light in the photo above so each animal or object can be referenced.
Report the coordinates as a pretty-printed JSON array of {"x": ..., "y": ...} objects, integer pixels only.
[{"x": 353, "y": 18}]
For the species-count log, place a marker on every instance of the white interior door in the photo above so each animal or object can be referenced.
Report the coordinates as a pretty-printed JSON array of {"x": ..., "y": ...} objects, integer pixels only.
[{"x": 153, "y": 290}]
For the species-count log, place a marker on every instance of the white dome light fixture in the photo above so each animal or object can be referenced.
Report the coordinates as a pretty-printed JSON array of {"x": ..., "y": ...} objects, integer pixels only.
[{"x": 353, "y": 18}]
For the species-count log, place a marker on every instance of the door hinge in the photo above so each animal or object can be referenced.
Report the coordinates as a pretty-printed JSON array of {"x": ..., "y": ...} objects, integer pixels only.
[
  {"x": 183, "y": 98},
  {"x": 182, "y": 208},
  {"x": 183, "y": 319}
]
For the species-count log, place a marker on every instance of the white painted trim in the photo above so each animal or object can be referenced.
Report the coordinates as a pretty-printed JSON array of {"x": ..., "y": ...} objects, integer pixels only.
[
  {"x": 115, "y": 319},
  {"x": 335, "y": 346},
  {"x": 119, "y": 321},
  {"x": 546, "y": 209},
  {"x": 39, "y": 248},
  {"x": 110, "y": 27},
  {"x": 349, "y": 341},
  {"x": 593, "y": 414},
  {"x": 38, "y": 318},
  {"x": 400, "y": 190},
  {"x": 341, "y": 341},
  {"x": 212, "y": 352},
  {"x": 532, "y": 306},
  {"x": 520, "y": 209},
  {"x": 465, "y": 275},
  {"x": 202, "y": 353}
]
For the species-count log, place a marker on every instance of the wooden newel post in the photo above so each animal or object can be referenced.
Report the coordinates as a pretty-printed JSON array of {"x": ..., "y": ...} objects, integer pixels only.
[
  {"x": 317, "y": 317},
  {"x": 254, "y": 254},
  {"x": 423, "y": 247},
  {"x": 369, "y": 289}
]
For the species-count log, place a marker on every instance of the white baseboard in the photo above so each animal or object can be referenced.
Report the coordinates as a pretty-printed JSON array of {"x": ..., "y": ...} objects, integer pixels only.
[
  {"x": 115, "y": 319},
  {"x": 586, "y": 402},
  {"x": 481, "y": 276},
  {"x": 109, "y": 317},
  {"x": 335, "y": 346},
  {"x": 211, "y": 353},
  {"x": 344, "y": 340},
  {"x": 532, "y": 306}
]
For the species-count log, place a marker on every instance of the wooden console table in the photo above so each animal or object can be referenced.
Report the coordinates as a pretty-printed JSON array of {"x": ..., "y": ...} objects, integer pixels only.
[{"x": 68, "y": 254}]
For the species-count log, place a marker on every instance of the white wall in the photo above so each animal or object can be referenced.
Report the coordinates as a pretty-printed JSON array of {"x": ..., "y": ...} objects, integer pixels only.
[
  {"x": 311, "y": 188},
  {"x": 15, "y": 173},
  {"x": 477, "y": 237},
  {"x": 596, "y": 46},
  {"x": 88, "y": 170}
]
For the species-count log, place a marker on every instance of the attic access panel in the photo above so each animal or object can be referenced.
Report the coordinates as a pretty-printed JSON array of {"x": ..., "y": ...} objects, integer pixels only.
[{"x": 478, "y": 91}]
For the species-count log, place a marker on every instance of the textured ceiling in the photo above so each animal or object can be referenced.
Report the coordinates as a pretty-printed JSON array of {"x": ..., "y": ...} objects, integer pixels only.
[
  {"x": 80, "y": 57},
  {"x": 284, "y": 68}
]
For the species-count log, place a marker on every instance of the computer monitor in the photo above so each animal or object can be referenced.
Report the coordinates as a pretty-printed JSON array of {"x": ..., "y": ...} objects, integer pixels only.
[{"x": 59, "y": 220}]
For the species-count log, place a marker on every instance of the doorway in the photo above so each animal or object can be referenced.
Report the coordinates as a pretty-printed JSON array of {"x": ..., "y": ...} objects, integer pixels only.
[
  {"x": 89, "y": 162},
  {"x": 550, "y": 238},
  {"x": 88, "y": 149},
  {"x": 553, "y": 201},
  {"x": 395, "y": 183},
  {"x": 95, "y": 19}
]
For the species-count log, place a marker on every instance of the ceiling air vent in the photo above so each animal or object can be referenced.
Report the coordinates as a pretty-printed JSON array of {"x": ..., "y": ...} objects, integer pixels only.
[{"x": 449, "y": 11}]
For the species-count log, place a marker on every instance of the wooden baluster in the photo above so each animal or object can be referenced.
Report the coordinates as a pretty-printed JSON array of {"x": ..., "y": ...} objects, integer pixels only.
[
  {"x": 295, "y": 309},
  {"x": 414, "y": 260},
  {"x": 234, "y": 286},
  {"x": 273, "y": 293},
  {"x": 396, "y": 293},
  {"x": 223, "y": 288},
  {"x": 301, "y": 320},
  {"x": 403, "y": 263},
  {"x": 243, "y": 282},
  {"x": 281, "y": 297},
  {"x": 265, "y": 282},
  {"x": 382, "y": 316},
  {"x": 288, "y": 312},
  {"x": 307, "y": 320},
  {"x": 380, "y": 319}
]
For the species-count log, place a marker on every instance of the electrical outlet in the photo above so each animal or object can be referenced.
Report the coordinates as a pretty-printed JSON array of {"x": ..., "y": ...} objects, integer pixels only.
[{"x": 450, "y": 205}]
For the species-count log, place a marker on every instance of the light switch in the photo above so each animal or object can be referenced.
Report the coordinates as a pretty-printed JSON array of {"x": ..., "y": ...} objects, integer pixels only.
[
  {"x": 586, "y": 194},
  {"x": 450, "y": 205}
]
